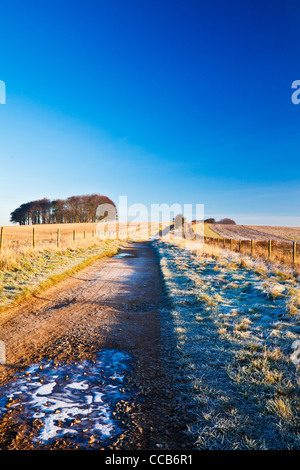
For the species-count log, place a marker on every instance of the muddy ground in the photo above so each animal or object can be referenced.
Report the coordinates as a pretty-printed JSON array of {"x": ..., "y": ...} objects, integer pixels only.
[{"x": 114, "y": 304}]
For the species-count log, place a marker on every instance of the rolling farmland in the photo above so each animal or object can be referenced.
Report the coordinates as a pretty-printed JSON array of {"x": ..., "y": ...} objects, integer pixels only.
[
  {"x": 246, "y": 232},
  {"x": 201, "y": 336},
  {"x": 289, "y": 233}
]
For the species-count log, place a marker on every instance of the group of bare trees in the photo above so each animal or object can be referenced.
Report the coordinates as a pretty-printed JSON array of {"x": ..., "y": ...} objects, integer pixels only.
[
  {"x": 74, "y": 209},
  {"x": 222, "y": 221}
]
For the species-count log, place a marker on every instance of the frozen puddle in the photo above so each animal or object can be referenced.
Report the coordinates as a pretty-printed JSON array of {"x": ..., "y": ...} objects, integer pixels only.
[
  {"x": 123, "y": 255},
  {"x": 75, "y": 400}
]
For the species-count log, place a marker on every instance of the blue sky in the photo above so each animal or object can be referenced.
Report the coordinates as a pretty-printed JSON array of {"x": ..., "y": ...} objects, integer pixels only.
[{"x": 164, "y": 101}]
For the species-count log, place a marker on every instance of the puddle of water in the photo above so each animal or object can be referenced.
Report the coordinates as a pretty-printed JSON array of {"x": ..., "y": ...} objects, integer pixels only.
[
  {"x": 74, "y": 400},
  {"x": 123, "y": 255}
]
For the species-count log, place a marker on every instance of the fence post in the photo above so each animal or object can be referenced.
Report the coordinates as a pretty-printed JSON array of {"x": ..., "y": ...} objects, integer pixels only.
[
  {"x": 223, "y": 242},
  {"x": 269, "y": 248},
  {"x": 240, "y": 245},
  {"x": 58, "y": 237},
  {"x": 1, "y": 238},
  {"x": 2, "y": 353},
  {"x": 33, "y": 237},
  {"x": 231, "y": 244},
  {"x": 160, "y": 230},
  {"x": 74, "y": 235},
  {"x": 294, "y": 252}
]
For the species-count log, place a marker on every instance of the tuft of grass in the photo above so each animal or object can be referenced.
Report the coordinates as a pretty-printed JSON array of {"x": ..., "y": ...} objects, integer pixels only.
[
  {"x": 282, "y": 408},
  {"x": 243, "y": 325}
]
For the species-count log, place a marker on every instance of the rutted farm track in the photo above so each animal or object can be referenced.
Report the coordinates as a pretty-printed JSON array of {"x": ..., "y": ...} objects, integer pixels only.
[{"x": 62, "y": 345}]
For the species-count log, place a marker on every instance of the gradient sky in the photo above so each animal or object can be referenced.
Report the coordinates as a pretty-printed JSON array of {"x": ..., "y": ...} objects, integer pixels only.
[{"x": 164, "y": 101}]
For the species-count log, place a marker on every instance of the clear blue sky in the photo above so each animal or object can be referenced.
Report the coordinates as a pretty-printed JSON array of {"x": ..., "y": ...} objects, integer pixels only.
[{"x": 165, "y": 101}]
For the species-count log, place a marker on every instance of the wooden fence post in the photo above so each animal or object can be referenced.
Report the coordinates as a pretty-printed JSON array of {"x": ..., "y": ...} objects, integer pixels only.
[
  {"x": 33, "y": 237},
  {"x": 252, "y": 246},
  {"x": 223, "y": 242},
  {"x": 160, "y": 230},
  {"x": 294, "y": 252},
  {"x": 269, "y": 248},
  {"x": 231, "y": 243},
  {"x": 1, "y": 238},
  {"x": 74, "y": 235},
  {"x": 240, "y": 245},
  {"x": 58, "y": 237}
]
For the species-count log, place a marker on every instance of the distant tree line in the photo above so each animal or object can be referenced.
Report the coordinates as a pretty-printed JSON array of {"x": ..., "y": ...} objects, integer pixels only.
[
  {"x": 214, "y": 221},
  {"x": 222, "y": 221},
  {"x": 74, "y": 209}
]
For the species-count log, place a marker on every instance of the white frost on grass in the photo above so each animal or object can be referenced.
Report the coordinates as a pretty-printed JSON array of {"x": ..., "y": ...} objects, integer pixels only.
[{"x": 234, "y": 320}]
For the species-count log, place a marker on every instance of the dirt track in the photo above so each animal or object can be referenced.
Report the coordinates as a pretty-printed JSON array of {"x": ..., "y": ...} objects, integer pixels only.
[{"x": 114, "y": 304}]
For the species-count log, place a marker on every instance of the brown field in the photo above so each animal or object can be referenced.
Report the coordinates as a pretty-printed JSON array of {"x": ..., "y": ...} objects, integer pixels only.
[
  {"x": 290, "y": 233},
  {"x": 18, "y": 242},
  {"x": 14, "y": 236},
  {"x": 48, "y": 232},
  {"x": 261, "y": 233},
  {"x": 282, "y": 250},
  {"x": 16, "y": 239}
]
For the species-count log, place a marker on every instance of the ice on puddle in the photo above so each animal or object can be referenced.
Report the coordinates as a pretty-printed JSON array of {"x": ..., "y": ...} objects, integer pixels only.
[
  {"x": 79, "y": 385},
  {"x": 98, "y": 397},
  {"x": 46, "y": 389},
  {"x": 79, "y": 403}
]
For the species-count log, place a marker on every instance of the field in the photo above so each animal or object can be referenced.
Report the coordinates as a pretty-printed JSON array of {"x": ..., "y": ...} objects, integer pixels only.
[
  {"x": 289, "y": 233},
  {"x": 277, "y": 244},
  {"x": 235, "y": 322},
  {"x": 245, "y": 232},
  {"x": 21, "y": 235},
  {"x": 203, "y": 337}
]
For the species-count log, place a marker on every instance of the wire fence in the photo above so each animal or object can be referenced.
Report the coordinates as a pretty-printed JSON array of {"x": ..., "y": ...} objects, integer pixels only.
[
  {"x": 272, "y": 250},
  {"x": 62, "y": 235}
]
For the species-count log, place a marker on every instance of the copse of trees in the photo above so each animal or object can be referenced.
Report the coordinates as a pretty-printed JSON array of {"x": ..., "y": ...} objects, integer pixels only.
[
  {"x": 210, "y": 221},
  {"x": 222, "y": 221},
  {"x": 226, "y": 222},
  {"x": 74, "y": 209}
]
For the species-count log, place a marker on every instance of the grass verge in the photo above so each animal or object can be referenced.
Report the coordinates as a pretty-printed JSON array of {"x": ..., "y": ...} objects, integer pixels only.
[
  {"x": 208, "y": 232},
  {"x": 34, "y": 272},
  {"x": 235, "y": 323}
]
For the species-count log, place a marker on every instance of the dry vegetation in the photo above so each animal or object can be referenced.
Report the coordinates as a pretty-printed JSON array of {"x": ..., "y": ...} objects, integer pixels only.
[
  {"x": 22, "y": 234},
  {"x": 235, "y": 321},
  {"x": 281, "y": 250},
  {"x": 25, "y": 271}
]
